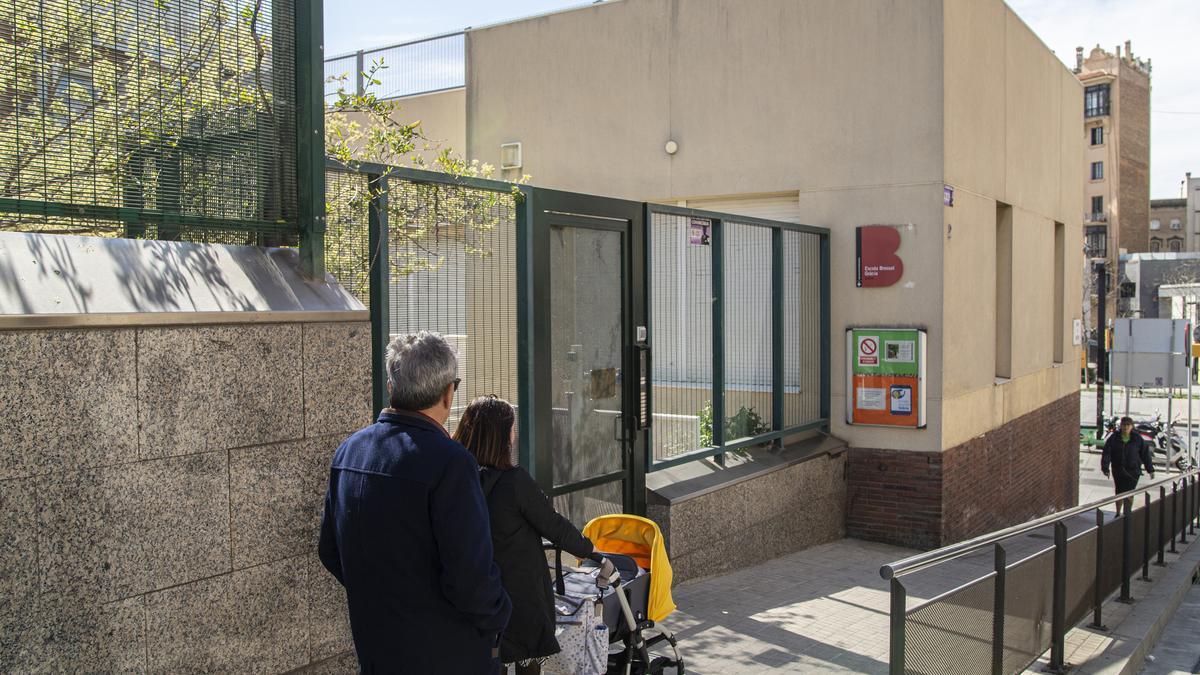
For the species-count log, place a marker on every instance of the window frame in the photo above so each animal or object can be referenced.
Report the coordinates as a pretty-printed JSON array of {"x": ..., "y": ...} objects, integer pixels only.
[
  {"x": 1098, "y": 170},
  {"x": 1097, "y": 131},
  {"x": 1096, "y": 98}
]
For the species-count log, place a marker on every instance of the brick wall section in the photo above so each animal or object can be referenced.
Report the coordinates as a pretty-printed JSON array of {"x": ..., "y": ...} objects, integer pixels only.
[
  {"x": 1133, "y": 191},
  {"x": 894, "y": 496},
  {"x": 1022, "y": 470}
]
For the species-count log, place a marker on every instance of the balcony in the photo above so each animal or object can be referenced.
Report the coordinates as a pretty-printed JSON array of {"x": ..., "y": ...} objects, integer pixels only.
[
  {"x": 1095, "y": 242},
  {"x": 1095, "y": 217}
]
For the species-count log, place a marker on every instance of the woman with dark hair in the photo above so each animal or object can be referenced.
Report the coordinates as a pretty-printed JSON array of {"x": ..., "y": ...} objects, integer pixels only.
[{"x": 521, "y": 516}]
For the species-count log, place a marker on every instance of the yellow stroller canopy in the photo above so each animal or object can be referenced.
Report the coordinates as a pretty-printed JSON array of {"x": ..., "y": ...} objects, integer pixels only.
[{"x": 640, "y": 539}]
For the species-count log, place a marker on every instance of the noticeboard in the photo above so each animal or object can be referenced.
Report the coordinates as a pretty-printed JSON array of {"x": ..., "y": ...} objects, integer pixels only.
[{"x": 885, "y": 377}]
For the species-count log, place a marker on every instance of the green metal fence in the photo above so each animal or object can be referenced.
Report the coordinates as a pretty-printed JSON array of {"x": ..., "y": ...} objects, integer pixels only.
[
  {"x": 739, "y": 329},
  {"x": 168, "y": 119},
  {"x": 619, "y": 338}
]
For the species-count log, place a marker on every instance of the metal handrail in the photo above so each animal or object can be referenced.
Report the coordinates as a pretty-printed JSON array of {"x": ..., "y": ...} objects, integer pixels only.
[{"x": 929, "y": 558}]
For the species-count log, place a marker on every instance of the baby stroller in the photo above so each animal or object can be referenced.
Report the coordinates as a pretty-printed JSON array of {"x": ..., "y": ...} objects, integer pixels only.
[{"x": 633, "y": 596}]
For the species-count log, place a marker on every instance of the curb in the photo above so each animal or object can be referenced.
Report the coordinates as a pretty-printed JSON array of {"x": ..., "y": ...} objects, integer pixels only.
[{"x": 1137, "y": 635}]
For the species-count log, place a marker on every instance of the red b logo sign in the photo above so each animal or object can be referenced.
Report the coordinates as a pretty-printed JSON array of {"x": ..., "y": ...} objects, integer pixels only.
[{"x": 878, "y": 265}]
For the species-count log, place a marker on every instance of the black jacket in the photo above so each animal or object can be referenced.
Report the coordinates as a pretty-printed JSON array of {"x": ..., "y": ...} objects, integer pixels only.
[
  {"x": 406, "y": 532},
  {"x": 520, "y": 516},
  {"x": 1126, "y": 459}
]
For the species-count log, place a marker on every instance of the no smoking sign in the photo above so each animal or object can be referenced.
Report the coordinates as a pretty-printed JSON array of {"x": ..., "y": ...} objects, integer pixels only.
[{"x": 868, "y": 351}]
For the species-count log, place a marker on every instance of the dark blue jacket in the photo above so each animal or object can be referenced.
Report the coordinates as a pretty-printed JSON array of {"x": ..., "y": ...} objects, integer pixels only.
[{"x": 406, "y": 532}]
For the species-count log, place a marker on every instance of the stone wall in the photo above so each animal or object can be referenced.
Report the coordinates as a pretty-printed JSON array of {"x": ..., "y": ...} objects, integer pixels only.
[
  {"x": 160, "y": 495},
  {"x": 739, "y": 521},
  {"x": 1014, "y": 473}
]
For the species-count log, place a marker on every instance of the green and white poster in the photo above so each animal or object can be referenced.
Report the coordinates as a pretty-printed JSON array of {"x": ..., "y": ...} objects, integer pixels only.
[{"x": 885, "y": 377}]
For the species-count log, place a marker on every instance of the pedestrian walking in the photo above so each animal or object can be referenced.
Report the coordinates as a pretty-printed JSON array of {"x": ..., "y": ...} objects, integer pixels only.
[
  {"x": 406, "y": 529},
  {"x": 1125, "y": 453},
  {"x": 521, "y": 516}
]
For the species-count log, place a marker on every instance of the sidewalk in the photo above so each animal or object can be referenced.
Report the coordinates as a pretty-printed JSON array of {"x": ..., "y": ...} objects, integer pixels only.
[
  {"x": 1176, "y": 651},
  {"x": 825, "y": 609}
]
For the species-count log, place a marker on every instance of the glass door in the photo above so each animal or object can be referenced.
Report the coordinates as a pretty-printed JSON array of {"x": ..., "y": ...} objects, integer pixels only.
[{"x": 590, "y": 427}]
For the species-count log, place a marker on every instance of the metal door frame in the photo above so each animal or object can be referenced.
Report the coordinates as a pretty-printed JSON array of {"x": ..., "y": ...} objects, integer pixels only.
[{"x": 543, "y": 209}]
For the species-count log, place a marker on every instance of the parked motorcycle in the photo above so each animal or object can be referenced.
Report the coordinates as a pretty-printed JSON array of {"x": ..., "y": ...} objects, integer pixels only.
[
  {"x": 1157, "y": 434},
  {"x": 1162, "y": 437}
]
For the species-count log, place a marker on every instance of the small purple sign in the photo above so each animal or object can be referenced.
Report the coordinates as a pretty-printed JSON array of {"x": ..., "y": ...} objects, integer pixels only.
[
  {"x": 947, "y": 195},
  {"x": 700, "y": 232}
]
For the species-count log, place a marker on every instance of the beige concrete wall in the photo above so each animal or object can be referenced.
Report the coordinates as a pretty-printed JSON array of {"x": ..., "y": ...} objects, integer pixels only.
[
  {"x": 443, "y": 117},
  {"x": 443, "y": 122},
  {"x": 160, "y": 511},
  {"x": 737, "y": 89},
  {"x": 760, "y": 97},
  {"x": 1013, "y": 119}
]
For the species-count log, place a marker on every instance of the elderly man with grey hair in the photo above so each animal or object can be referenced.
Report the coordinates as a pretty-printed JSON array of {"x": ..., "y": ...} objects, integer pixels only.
[{"x": 406, "y": 528}]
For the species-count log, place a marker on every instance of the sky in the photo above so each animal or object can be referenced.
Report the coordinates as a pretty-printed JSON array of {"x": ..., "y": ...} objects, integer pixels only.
[{"x": 1160, "y": 30}]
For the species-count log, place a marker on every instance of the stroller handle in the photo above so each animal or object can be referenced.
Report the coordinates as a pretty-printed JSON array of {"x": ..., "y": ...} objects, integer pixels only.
[{"x": 603, "y": 580}]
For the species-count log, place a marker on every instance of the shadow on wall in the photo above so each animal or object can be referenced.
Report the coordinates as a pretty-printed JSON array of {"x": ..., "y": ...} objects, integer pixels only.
[{"x": 66, "y": 274}]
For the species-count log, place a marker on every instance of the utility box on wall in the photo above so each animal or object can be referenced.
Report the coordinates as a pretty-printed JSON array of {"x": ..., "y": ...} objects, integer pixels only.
[{"x": 885, "y": 377}]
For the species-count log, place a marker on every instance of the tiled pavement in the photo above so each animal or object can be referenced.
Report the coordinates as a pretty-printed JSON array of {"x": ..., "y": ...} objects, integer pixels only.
[{"x": 825, "y": 609}]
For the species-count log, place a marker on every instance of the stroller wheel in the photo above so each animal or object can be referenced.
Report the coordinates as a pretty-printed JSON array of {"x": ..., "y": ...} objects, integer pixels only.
[{"x": 659, "y": 664}]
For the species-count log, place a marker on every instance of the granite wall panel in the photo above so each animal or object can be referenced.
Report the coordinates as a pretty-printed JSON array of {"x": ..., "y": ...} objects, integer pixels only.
[
  {"x": 188, "y": 627},
  {"x": 59, "y": 634},
  {"x": 785, "y": 510},
  {"x": 116, "y": 532},
  {"x": 161, "y": 514},
  {"x": 18, "y": 554},
  {"x": 67, "y": 400},
  {"x": 337, "y": 377},
  {"x": 218, "y": 387},
  {"x": 269, "y": 509},
  {"x": 268, "y": 612}
]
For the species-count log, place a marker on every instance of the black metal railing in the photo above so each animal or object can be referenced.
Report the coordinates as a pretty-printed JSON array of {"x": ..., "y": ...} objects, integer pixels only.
[
  {"x": 1095, "y": 242},
  {"x": 1004, "y": 620}
]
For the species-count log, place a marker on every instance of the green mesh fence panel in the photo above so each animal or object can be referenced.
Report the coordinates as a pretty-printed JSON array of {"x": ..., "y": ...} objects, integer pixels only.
[
  {"x": 1081, "y": 575},
  {"x": 1028, "y": 603},
  {"x": 347, "y": 238},
  {"x": 953, "y": 633},
  {"x": 155, "y": 119},
  {"x": 452, "y": 262}
]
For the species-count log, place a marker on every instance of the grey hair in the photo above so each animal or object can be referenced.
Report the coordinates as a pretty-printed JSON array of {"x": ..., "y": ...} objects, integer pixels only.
[{"x": 420, "y": 366}]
